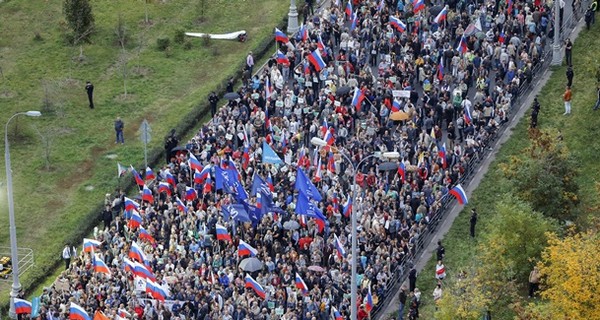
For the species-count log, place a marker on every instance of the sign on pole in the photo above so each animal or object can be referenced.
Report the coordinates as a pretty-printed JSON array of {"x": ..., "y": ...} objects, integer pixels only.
[{"x": 145, "y": 136}]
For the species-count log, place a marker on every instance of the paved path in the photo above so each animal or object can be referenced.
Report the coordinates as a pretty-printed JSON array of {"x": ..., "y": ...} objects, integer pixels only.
[{"x": 444, "y": 227}]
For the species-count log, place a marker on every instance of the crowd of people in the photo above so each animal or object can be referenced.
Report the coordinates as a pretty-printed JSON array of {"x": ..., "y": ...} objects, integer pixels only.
[{"x": 450, "y": 75}]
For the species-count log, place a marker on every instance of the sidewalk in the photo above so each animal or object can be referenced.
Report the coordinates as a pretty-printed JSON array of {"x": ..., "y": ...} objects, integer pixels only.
[{"x": 444, "y": 227}]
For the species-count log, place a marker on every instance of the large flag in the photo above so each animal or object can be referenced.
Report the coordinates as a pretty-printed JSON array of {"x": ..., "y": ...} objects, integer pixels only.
[
  {"x": 121, "y": 170},
  {"x": 245, "y": 249},
  {"x": 130, "y": 204},
  {"x": 136, "y": 253},
  {"x": 22, "y": 306},
  {"x": 258, "y": 289},
  {"x": 100, "y": 266},
  {"x": 280, "y": 36},
  {"x": 306, "y": 187},
  {"x": 194, "y": 163},
  {"x": 145, "y": 235},
  {"x": 459, "y": 193},
  {"x": 316, "y": 60},
  {"x": 306, "y": 207},
  {"x": 260, "y": 185},
  {"x": 418, "y": 5},
  {"x": 76, "y": 312},
  {"x": 90, "y": 244},
  {"x": 138, "y": 179},
  {"x": 358, "y": 98},
  {"x": 236, "y": 211},
  {"x": 397, "y": 24},
  {"x": 269, "y": 155},
  {"x": 155, "y": 290},
  {"x": 222, "y": 233},
  {"x": 441, "y": 16}
]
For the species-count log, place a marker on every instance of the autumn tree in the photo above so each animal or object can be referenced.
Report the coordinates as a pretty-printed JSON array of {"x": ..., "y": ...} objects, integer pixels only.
[
  {"x": 570, "y": 279},
  {"x": 464, "y": 297},
  {"x": 544, "y": 175}
]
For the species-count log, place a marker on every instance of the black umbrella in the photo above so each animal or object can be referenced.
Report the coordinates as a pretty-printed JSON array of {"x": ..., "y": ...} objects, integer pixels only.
[
  {"x": 435, "y": 10},
  {"x": 342, "y": 91},
  {"x": 388, "y": 166},
  {"x": 231, "y": 96},
  {"x": 179, "y": 148}
]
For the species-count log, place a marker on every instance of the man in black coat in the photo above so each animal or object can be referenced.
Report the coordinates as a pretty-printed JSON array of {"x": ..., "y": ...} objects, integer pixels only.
[
  {"x": 402, "y": 297},
  {"x": 213, "y": 99},
  {"x": 441, "y": 251},
  {"x": 570, "y": 75},
  {"x": 473, "y": 222},
  {"x": 89, "y": 88}
]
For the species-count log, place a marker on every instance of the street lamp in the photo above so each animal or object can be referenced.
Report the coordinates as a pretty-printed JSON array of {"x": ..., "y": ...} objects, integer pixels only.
[
  {"x": 388, "y": 155},
  {"x": 292, "y": 18},
  {"x": 14, "y": 256},
  {"x": 556, "y": 48}
]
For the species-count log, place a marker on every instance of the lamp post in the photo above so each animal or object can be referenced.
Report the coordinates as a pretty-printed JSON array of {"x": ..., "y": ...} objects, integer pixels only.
[
  {"x": 292, "y": 18},
  {"x": 389, "y": 155},
  {"x": 14, "y": 256},
  {"x": 556, "y": 48}
]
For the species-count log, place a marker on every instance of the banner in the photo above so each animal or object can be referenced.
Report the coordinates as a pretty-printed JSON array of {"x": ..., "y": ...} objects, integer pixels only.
[{"x": 269, "y": 155}]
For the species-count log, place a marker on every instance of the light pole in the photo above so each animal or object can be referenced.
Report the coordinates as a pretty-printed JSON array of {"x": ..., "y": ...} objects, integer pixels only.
[
  {"x": 292, "y": 18},
  {"x": 556, "y": 48},
  {"x": 389, "y": 155},
  {"x": 14, "y": 255}
]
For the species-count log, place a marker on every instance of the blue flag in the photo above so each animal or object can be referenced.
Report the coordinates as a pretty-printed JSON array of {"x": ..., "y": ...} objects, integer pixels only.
[
  {"x": 307, "y": 188},
  {"x": 35, "y": 307},
  {"x": 236, "y": 211},
  {"x": 306, "y": 207},
  {"x": 260, "y": 185},
  {"x": 269, "y": 155}
]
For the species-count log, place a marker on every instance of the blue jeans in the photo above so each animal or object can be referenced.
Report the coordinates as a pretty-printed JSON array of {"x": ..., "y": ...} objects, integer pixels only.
[
  {"x": 120, "y": 138},
  {"x": 401, "y": 312}
]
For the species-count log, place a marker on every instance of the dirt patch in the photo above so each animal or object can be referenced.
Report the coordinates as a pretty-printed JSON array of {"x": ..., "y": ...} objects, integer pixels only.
[
  {"x": 6, "y": 94},
  {"x": 141, "y": 72},
  {"x": 122, "y": 98},
  {"x": 83, "y": 171}
]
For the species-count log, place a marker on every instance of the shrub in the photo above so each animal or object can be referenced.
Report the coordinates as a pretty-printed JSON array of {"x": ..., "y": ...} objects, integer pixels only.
[
  {"x": 179, "y": 37},
  {"x": 163, "y": 43}
]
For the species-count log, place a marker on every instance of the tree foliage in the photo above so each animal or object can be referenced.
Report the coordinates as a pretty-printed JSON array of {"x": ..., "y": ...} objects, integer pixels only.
[
  {"x": 570, "y": 278},
  {"x": 544, "y": 175},
  {"x": 464, "y": 298},
  {"x": 80, "y": 19}
]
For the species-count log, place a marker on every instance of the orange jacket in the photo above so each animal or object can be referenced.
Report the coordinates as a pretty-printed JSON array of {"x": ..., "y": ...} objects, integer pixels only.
[{"x": 567, "y": 95}]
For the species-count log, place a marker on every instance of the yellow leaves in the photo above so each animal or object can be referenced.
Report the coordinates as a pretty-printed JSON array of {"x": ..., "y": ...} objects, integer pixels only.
[{"x": 570, "y": 276}]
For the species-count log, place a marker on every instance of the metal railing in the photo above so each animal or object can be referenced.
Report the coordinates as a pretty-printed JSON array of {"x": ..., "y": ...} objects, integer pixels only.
[
  {"x": 25, "y": 262},
  {"x": 401, "y": 273}
]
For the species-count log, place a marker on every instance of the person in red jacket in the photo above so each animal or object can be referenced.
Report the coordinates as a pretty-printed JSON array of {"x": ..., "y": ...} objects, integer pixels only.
[{"x": 362, "y": 313}]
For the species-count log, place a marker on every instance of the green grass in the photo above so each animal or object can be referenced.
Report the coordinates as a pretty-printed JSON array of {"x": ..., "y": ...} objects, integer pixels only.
[
  {"x": 51, "y": 205},
  {"x": 578, "y": 133}
]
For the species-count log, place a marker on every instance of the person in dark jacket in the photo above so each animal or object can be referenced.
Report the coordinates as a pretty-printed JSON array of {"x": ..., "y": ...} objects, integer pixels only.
[
  {"x": 402, "y": 297},
  {"x": 473, "y": 222},
  {"x": 570, "y": 75},
  {"x": 412, "y": 279}
]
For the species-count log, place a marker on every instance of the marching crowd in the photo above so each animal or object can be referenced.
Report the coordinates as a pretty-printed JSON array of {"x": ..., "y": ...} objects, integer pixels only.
[{"x": 252, "y": 221}]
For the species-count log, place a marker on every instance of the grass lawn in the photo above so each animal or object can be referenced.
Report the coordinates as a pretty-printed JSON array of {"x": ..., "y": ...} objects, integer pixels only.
[
  {"x": 52, "y": 204},
  {"x": 578, "y": 132}
]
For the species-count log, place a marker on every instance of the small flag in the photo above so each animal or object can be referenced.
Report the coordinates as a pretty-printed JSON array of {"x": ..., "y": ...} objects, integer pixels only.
[
  {"x": 131, "y": 204},
  {"x": 339, "y": 247},
  {"x": 280, "y": 36},
  {"x": 137, "y": 177},
  {"x": 22, "y": 306},
  {"x": 348, "y": 9},
  {"x": 164, "y": 187},
  {"x": 348, "y": 207},
  {"x": 358, "y": 98},
  {"x": 135, "y": 220},
  {"x": 100, "y": 266},
  {"x": 462, "y": 45},
  {"x": 147, "y": 194},
  {"x": 244, "y": 249},
  {"x": 145, "y": 235},
  {"x": 90, "y": 244},
  {"x": 441, "y": 16},
  {"x": 402, "y": 171},
  {"x": 316, "y": 60},
  {"x": 99, "y": 315},
  {"x": 222, "y": 233},
  {"x": 459, "y": 193},
  {"x": 369, "y": 301},
  {"x": 418, "y": 5},
  {"x": 180, "y": 205},
  {"x": 194, "y": 163},
  {"x": 121, "y": 170},
  {"x": 150, "y": 174},
  {"x": 397, "y": 24},
  {"x": 76, "y": 312},
  {"x": 190, "y": 194},
  {"x": 258, "y": 289},
  {"x": 300, "y": 284},
  {"x": 282, "y": 58}
]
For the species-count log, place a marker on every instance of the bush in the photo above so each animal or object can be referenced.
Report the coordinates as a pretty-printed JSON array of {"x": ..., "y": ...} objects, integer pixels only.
[
  {"x": 179, "y": 37},
  {"x": 37, "y": 36},
  {"x": 188, "y": 45},
  {"x": 206, "y": 41},
  {"x": 163, "y": 43}
]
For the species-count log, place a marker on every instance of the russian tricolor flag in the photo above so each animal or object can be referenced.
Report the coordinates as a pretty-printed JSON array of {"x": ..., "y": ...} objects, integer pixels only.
[
  {"x": 100, "y": 266},
  {"x": 147, "y": 194},
  {"x": 194, "y": 163},
  {"x": 136, "y": 253},
  {"x": 270, "y": 183},
  {"x": 336, "y": 314},
  {"x": 331, "y": 163},
  {"x": 462, "y": 45},
  {"x": 156, "y": 291},
  {"x": 258, "y": 289},
  {"x": 150, "y": 174},
  {"x": 142, "y": 271},
  {"x": 509, "y": 7},
  {"x": 164, "y": 187},
  {"x": 90, "y": 244},
  {"x": 280, "y": 36},
  {"x": 128, "y": 265},
  {"x": 22, "y": 306},
  {"x": 135, "y": 220},
  {"x": 244, "y": 249},
  {"x": 348, "y": 9},
  {"x": 369, "y": 301},
  {"x": 467, "y": 115},
  {"x": 339, "y": 247},
  {"x": 329, "y": 138},
  {"x": 354, "y": 21},
  {"x": 402, "y": 171},
  {"x": 395, "y": 106},
  {"x": 222, "y": 233},
  {"x": 441, "y": 16},
  {"x": 268, "y": 94},
  {"x": 348, "y": 207},
  {"x": 303, "y": 33},
  {"x": 300, "y": 284},
  {"x": 442, "y": 155},
  {"x": 137, "y": 177},
  {"x": 358, "y": 98},
  {"x": 180, "y": 205},
  {"x": 316, "y": 60},
  {"x": 502, "y": 37},
  {"x": 190, "y": 194},
  {"x": 418, "y": 5},
  {"x": 145, "y": 235},
  {"x": 440, "y": 70},
  {"x": 131, "y": 205},
  {"x": 76, "y": 312},
  {"x": 459, "y": 193},
  {"x": 321, "y": 45},
  {"x": 397, "y": 24},
  {"x": 205, "y": 173},
  {"x": 170, "y": 179},
  {"x": 282, "y": 58}
]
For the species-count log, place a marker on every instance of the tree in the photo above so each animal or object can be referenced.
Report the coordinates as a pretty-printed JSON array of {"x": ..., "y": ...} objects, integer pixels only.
[
  {"x": 570, "y": 279},
  {"x": 80, "y": 19},
  {"x": 544, "y": 175},
  {"x": 464, "y": 298}
]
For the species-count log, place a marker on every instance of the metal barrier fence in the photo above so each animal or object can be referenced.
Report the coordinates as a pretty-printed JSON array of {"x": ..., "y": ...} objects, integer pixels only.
[{"x": 401, "y": 273}]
